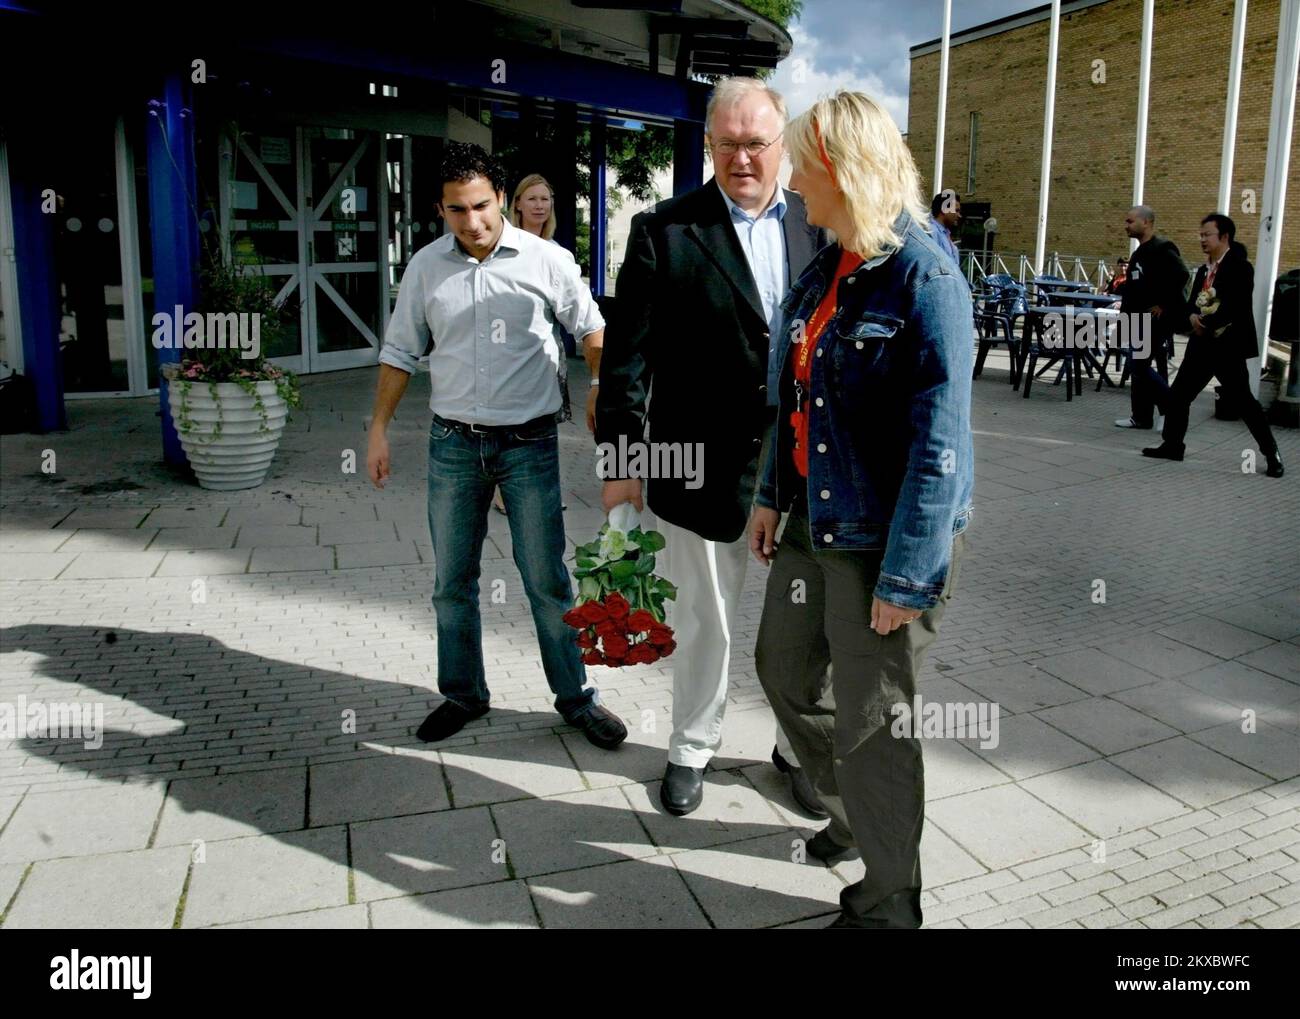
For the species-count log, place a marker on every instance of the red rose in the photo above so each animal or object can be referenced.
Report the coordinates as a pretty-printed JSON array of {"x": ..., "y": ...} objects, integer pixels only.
[
  {"x": 640, "y": 621},
  {"x": 592, "y": 612},
  {"x": 574, "y": 618},
  {"x": 616, "y": 605},
  {"x": 666, "y": 649},
  {"x": 586, "y": 640},
  {"x": 608, "y": 628},
  {"x": 642, "y": 654},
  {"x": 593, "y": 657},
  {"x": 615, "y": 646},
  {"x": 660, "y": 635}
]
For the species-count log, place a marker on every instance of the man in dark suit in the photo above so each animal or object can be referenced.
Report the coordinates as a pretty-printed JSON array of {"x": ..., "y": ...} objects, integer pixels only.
[
  {"x": 1221, "y": 319},
  {"x": 1154, "y": 286},
  {"x": 697, "y": 329}
]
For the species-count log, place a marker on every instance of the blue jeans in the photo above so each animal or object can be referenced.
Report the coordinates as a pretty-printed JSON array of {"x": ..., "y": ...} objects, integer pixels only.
[{"x": 463, "y": 471}]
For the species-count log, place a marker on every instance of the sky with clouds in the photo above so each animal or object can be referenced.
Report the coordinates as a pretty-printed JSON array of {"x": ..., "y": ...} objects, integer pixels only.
[{"x": 863, "y": 45}]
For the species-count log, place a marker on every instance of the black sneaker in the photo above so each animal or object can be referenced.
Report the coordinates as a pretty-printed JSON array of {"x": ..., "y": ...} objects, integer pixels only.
[
  {"x": 1163, "y": 452},
  {"x": 447, "y": 720},
  {"x": 601, "y": 726}
]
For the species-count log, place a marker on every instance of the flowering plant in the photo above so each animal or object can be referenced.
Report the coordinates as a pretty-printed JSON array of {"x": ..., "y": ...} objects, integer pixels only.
[{"x": 619, "y": 613}]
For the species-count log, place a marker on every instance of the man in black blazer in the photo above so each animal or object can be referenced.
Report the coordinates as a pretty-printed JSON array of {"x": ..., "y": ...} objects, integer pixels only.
[
  {"x": 692, "y": 347},
  {"x": 1223, "y": 339}
]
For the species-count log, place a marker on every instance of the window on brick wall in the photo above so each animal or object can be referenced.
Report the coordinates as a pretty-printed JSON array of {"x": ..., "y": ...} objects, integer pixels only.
[{"x": 974, "y": 148}]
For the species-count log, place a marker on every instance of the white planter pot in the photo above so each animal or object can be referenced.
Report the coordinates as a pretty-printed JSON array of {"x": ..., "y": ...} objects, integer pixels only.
[{"x": 240, "y": 455}]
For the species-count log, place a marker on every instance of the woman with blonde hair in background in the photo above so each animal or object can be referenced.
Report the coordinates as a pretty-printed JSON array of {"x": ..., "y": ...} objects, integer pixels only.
[{"x": 873, "y": 460}]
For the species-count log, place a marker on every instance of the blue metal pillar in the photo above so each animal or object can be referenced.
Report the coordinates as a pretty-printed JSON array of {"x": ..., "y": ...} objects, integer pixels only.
[
  {"x": 565, "y": 179},
  {"x": 38, "y": 296},
  {"x": 598, "y": 205},
  {"x": 688, "y": 156},
  {"x": 173, "y": 225}
]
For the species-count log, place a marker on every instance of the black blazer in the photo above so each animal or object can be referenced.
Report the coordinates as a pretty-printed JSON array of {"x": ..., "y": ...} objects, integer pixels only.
[
  {"x": 689, "y": 335},
  {"x": 1234, "y": 285}
]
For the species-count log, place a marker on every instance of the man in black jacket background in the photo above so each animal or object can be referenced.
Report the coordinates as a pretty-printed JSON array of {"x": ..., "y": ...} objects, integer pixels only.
[
  {"x": 1154, "y": 286},
  {"x": 696, "y": 329},
  {"x": 1223, "y": 339}
]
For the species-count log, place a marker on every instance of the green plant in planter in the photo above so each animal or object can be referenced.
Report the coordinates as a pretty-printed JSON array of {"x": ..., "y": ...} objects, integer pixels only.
[{"x": 225, "y": 289}]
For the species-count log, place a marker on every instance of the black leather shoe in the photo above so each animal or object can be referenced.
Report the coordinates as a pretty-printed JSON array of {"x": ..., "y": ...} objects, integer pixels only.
[
  {"x": 447, "y": 720},
  {"x": 822, "y": 847},
  {"x": 682, "y": 789},
  {"x": 1163, "y": 452},
  {"x": 900, "y": 911},
  {"x": 601, "y": 726},
  {"x": 800, "y": 788},
  {"x": 1275, "y": 468}
]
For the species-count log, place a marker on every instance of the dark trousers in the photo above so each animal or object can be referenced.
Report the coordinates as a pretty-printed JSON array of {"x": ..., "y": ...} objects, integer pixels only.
[
  {"x": 1149, "y": 386},
  {"x": 816, "y": 614},
  {"x": 1199, "y": 366}
]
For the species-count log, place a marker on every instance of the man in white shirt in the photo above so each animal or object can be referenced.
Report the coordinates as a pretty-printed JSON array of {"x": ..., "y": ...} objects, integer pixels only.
[{"x": 482, "y": 300}]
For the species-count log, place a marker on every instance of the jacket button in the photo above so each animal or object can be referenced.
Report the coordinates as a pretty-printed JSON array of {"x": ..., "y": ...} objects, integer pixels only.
[
  {"x": 762, "y": 389},
  {"x": 819, "y": 401},
  {"x": 828, "y": 538},
  {"x": 821, "y": 447},
  {"x": 820, "y": 351},
  {"x": 860, "y": 344},
  {"x": 852, "y": 278},
  {"x": 826, "y": 493}
]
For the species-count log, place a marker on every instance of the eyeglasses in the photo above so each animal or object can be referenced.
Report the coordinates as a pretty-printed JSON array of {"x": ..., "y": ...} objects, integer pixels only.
[{"x": 753, "y": 148}]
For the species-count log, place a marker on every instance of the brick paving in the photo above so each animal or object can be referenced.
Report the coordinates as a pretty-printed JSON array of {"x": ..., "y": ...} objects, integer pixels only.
[{"x": 262, "y": 659}]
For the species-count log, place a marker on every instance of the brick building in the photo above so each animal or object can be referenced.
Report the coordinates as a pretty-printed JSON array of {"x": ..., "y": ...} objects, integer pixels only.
[{"x": 997, "y": 76}]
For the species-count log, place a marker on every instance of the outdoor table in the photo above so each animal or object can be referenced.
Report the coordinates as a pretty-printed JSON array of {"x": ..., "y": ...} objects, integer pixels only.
[
  {"x": 1034, "y": 317},
  {"x": 1047, "y": 283}
]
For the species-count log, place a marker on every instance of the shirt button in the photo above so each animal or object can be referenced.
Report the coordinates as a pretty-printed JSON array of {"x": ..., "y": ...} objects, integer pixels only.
[
  {"x": 819, "y": 401},
  {"x": 821, "y": 447},
  {"x": 826, "y": 493},
  {"x": 828, "y": 538}
]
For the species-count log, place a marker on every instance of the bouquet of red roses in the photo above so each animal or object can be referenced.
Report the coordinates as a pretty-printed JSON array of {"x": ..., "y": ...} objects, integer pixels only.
[{"x": 619, "y": 613}]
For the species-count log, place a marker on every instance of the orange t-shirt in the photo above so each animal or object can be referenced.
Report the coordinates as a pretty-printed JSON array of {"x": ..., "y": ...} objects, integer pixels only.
[{"x": 804, "y": 355}]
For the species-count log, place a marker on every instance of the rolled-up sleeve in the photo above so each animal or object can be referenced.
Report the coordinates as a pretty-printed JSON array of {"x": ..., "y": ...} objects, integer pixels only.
[
  {"x": 575, "y": 308},
  {"x": 408, "y": 336}
]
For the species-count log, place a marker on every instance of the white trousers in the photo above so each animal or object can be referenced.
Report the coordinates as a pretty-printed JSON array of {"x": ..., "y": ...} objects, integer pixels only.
[{"x": 710, "y": 578}]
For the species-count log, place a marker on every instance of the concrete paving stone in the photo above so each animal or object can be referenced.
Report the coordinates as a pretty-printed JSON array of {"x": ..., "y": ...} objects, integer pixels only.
[
  {"x": 1176, "y": 704},
  {"x": 512, "y": 770},
  {"x": 263, "y": 516},
  {"x": 773, "y": 890},
  {"x": 943, "y": 860},
  {"x": 33, "y": 565},
  {"x": 1279, "y": 659},
  {"x": 1190, "y": 771},
  {"x": 112, "y": 565},
  {"x": 18, "y": 540},
  {"x": 333, "y": 918},
  {"x": 380, "y": 785},
  {"x": 393, "y": 553},
  {"x": 1004, "y": 826},
  {"x": 953, "y": 767},
  {"x": 1018, "y": 688},
  {"x": 213, "y": 562},
  {"x": 641, "y": 758},
  {"x": 11, "y": 874},
  {"x": 638, "y": 894},
  {"x": 505, "y": 904},
  {"x": 194, "y": 538},
  {"x": 287, "y": 560},
  {"x": 1272, "y": 751},
  {"x": 1028, "y": 746},
  {"x": 1106, "y": 725},
  {"x": 1161, "y": 656},
  {"x": 1215, "y": 636},
  {"x": 267, "y": 536},
  {"x": 1279, "y": 919},
  {"x": 267, "y": 875},
  {"x": 732, "y": 810},
  {"x": 93, "y": 516},
  {"x": 426, "y": 852},
  {"x": 1259, "y": 617},
  {"x": 233, "y": 806},
  {"x": 111, "y": 818},
  {"x": 1244, "y": 687},
  {"x": 1095, "y": 671},
  {"x": 27, "y": 518},
  {"x": 374, "y": 532},
  {"x": 109, "y": 539},
  {"x": 1102, "y": 798},
  {"x": 196, "y": 518},
  {"x": 569, "y": 831},
  {"x": 117, "y": 891}
]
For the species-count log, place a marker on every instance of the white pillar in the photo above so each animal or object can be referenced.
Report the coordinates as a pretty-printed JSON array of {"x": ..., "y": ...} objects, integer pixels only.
[
  {"x": 1049, "y": 116},
  {"x": 1268, "y": 252},
  {"x": 1230, "y": 113},
  {"x": 943, "y": 98},
  {"x": 1144, "y": 97}
]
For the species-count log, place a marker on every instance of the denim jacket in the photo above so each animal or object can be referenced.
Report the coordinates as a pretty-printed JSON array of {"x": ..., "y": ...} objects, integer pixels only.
[{"x": 891, "y": 462}]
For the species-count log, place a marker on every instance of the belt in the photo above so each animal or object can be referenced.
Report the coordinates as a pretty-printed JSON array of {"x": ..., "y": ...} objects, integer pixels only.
[{"x": 470, "y": 429}]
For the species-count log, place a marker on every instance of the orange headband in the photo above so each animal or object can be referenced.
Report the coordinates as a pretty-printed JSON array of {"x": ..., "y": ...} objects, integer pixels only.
[{"x": 821, "y": 151}]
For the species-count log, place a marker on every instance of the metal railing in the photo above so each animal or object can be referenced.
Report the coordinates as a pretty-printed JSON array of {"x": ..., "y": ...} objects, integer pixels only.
[{"x": 978, "y": 265}]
